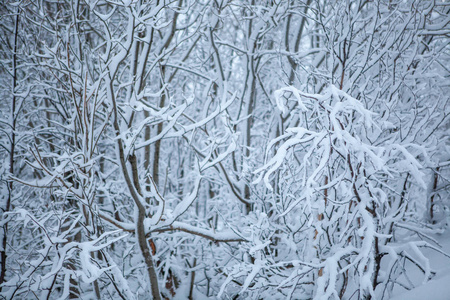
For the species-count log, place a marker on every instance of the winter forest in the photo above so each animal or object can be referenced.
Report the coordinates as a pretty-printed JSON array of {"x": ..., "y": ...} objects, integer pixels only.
[{"x": 224, "y": 149}]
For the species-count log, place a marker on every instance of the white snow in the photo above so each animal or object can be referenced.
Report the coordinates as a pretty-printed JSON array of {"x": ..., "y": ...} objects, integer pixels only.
[{"x": 438, "y": 288}]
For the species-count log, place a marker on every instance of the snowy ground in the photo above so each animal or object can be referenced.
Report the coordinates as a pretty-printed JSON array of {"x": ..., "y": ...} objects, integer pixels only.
[{"x": 438, "y": 288}]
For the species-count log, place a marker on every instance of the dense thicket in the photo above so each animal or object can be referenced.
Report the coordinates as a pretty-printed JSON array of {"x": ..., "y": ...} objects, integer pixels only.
[{"x": 261, "y": 149}]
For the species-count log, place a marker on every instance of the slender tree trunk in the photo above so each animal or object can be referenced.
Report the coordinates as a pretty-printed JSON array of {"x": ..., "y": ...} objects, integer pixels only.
[
  {"x": 11, "y": 153},
  {"x": 432, "y": 202}
]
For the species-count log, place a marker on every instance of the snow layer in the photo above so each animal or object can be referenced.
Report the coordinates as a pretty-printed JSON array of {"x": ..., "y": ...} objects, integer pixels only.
[{"x": 438, "y": 288}]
